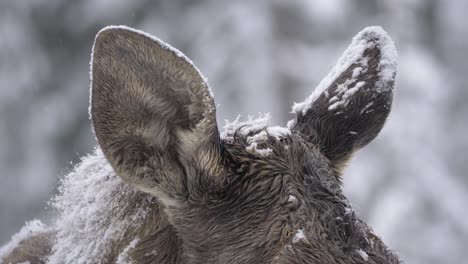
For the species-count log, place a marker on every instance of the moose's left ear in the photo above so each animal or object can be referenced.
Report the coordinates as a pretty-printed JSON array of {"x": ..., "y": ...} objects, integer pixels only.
[{"x": 349, "y": 107}]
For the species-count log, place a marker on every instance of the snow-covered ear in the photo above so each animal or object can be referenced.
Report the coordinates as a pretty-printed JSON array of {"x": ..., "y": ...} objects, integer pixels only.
[
  {"x": 153, "y": 113},
  {"x": 349, "y": 107}
]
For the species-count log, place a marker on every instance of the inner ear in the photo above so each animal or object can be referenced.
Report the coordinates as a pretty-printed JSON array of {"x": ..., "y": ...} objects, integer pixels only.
[
  {"x": 349, "y": 107},
  {"x": 152, "y": 111}
]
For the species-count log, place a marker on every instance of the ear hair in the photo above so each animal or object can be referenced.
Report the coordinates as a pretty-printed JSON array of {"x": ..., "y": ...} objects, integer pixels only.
[
  {"x": 349, "y": 107},
  {"x": 153, "y": 113}
]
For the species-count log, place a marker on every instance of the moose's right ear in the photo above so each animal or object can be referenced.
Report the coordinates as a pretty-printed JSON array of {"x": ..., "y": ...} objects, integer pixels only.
[
  {"x": 349, "y": 107},
  {"x": 153, "y": 114}
]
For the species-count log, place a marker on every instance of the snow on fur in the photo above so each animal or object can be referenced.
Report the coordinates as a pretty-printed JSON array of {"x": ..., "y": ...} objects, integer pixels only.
[
  {"x": 367, "y": 38},
  {"x": 30, "y": 229},
  {"x": 245, "y": 127},
  {"x": 363, "y": 254},
  {"x": 257, "y": 132},
  {"x": 344, "y": 93},
  {"x": 299, "y": 236},
  {"x": 254, "y": 125},
  {"x": 94, "y": 212},
  {"x": 124, "y": 257}
]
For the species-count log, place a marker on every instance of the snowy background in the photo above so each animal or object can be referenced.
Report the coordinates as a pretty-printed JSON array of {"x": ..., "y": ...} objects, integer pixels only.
[{"x": 410, "y": 184}]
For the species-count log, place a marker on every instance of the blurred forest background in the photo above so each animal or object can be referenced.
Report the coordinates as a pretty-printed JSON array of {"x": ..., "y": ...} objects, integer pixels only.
[{"x": 410, "y": 184}]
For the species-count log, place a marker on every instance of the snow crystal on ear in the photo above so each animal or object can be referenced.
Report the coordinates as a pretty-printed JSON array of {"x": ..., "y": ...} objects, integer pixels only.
[
  {"x": 161, "y": 43},
  {"x": 369, "y": 37},
  {"x": 31, "y": 228},
  {"x": 345, "y": 95},
  {"x": 96, "y": 209}
]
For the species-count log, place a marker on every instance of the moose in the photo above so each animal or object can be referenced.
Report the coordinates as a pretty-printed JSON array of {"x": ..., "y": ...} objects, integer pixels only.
[{"x": 165, "y": 185}]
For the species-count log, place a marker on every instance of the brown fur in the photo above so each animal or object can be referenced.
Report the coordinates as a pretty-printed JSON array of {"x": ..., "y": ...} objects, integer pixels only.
[
  {"x": 330, "y": 129},
  {"x": 35, "y": 250},
  {"x": 218, "y": 202}
]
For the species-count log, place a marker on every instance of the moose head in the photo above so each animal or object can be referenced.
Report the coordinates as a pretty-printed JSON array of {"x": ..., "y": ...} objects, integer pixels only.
[
  {"x": 255, "y": 194},
  {"x": 259, "y": 194}
]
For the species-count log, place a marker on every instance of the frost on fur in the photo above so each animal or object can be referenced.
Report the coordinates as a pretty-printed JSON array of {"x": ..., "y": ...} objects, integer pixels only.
[
  {"x": 96, "y": 209},
  {"x": 31, "y": 228},
  {"x": 351, "y": 104},
  {"x": 257, "y": 132},
  {"x": 354, "y": 55},
  {"x": 124, "y": 257}
]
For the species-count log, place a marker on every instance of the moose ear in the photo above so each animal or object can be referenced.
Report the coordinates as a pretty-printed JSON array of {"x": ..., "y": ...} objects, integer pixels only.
[
  {"x": 349, "y": 107},
  {"x": 152, "y": 111}
]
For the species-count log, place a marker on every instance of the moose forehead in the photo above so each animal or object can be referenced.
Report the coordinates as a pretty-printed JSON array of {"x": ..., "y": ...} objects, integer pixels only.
[
  {"x": 276, "y": 186},
  {"x": 267, "y": 154},
  {"x": 281, "y": 172}
]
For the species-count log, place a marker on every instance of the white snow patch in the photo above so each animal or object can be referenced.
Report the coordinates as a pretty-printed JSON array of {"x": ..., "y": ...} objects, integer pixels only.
[
  {"x": 254, "y": 125},
  {"x": 345, "y": 95},
  {"x": 350, "y": 92},
  {"x": 292, "y": 198},
  {"x": 278, "y": 132},
  {"x": 262, "y": 136},
  {"x": 367, "y": 38},
  {"x": 96, "y": 209},
  {"x": 151, "y": 253},
  {"x": 161, "y": 43},
  {"x": 253, "y": 148},
  {"x": 256, "y": 139},
  {"x": 363, "y": 254},
  {"x": 29, "y": 229},
  {"x": 299, "y": 236},
  {"x": 264, "y": 152},
  {"x": 291, "y": 123},
  {"x": 245, "y": 127},
  {"x": 124, "y": 258},
  {"x": 260, "y": 129},
  {"x": 365, "y": 109}
]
